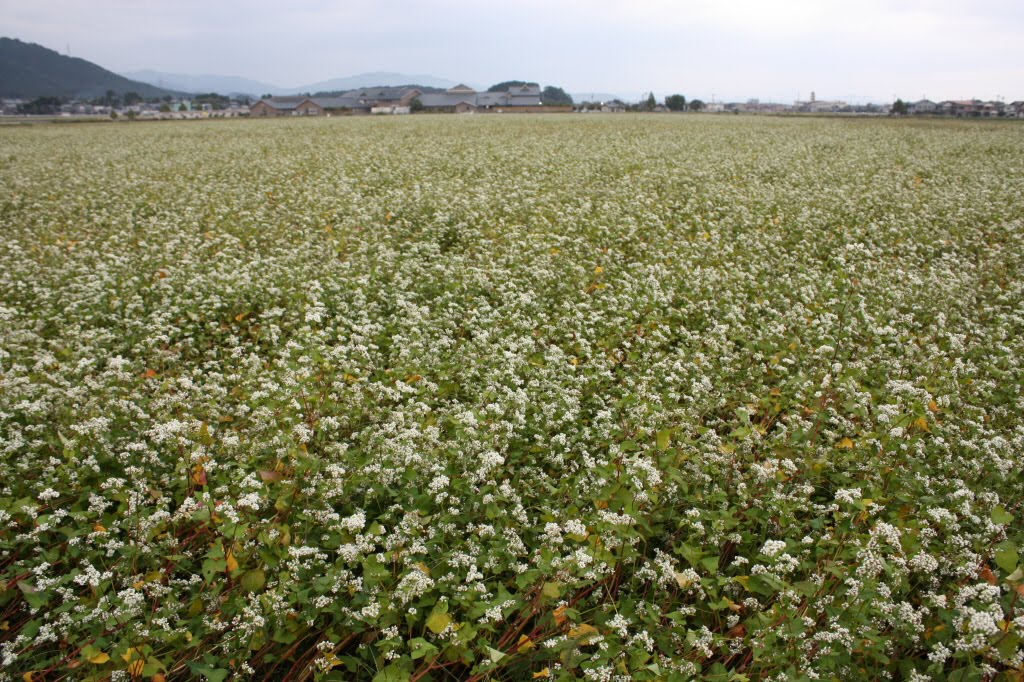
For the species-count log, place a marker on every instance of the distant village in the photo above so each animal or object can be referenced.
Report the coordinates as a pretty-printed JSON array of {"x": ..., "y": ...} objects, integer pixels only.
[{"x": 462, "y": 99}]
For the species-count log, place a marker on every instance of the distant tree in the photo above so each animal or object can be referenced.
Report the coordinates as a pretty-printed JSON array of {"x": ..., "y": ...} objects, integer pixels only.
[
  {"x": 165, "y": 108},
  {"x": 696, "y": 105},
  {"x": 131, "y": 114},
  {"x": 899, "y": 108},
  {"x": 553, "y": 96},
  {"x": 505, "y": 85},
  {"x": 132, "y": 98},
  {"x": 41, "y": 105},
  {"x": 675, "y": 103},
  {"x": 215, "y": 101},
  {"x": 416, "y": 105},
  {"x": 182, "y": 107},
  {"x": 650, "y": 102},
  {"x": 113, "y": 115}
]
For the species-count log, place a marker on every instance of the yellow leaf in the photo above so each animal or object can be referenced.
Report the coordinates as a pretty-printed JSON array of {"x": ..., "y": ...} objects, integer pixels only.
[
  {"x": 135, "y": 667},
  {"x": 438, "y": 622},
  {"x": 546, "y": 672},
  {"x": 99, "y": 659},
  {"x": 231, "y": 561},
  {"x": 933, "y": 406},
  {"x": 424, "y": 569},
  {"x": 776, "y": 392},
  {"x": 682, "y": 579},
  {"x": 525, "y": 644},
  {"x": 845, "y": 444},
  {"x": 599, "y": 269},
  {"x": 149, "y": 374},
  {"x": 28, "y": 677},
  {"x": 583, "y": 632},
  {"x": 560, "y": 615},
  {"x": 241, "y": 316},
  {"x": 99, "y": 528},
  {"x": 199, "y": 475},
  {"x": 922, "y": 424}
]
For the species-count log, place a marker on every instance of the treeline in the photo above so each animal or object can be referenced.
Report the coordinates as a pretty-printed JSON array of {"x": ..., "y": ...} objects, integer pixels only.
[{"x": 649, "y": 103}]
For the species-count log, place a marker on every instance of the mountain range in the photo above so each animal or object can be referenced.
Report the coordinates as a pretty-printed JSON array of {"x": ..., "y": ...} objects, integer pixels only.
[
  {"x": 28, "y": 70},
  {"x": 237, "y": 85}
]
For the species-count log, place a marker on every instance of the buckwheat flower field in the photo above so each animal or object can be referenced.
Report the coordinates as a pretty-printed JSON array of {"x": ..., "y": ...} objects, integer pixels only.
[{"x": 504, "y": 398}]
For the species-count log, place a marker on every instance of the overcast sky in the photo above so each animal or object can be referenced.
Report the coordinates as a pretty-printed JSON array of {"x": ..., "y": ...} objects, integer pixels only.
[{"x": 729, "y": 49}]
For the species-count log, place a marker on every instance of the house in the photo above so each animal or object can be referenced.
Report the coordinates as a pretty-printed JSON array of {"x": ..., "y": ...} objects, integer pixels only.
[
  {"x": 1014, "y": 109},
  {"x": 276, "y": 106},
  {"x": 965, "y": 107},
  {"x": 320, "y": 106},
  {"x": 924, "y": 106},
  {"x": 459, "y": 100},
  {"x": 524, "y": 96}
]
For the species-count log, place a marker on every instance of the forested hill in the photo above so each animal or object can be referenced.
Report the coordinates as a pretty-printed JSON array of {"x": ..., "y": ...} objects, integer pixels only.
[{"x": 28, "y": 70}]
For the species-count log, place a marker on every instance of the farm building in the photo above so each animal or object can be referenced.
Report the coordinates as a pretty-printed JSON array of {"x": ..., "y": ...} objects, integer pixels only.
[
  {"x": 464, "y": 99},
  {"x": 275, "y": 106},
  {"x": 399, "y": 100}
]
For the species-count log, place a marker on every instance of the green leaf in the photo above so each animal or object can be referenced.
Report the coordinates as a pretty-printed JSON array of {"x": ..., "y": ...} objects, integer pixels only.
[
  {"x": 1006, "y": 556},
  {"x": 1007, "y": 646},
  {"x": 1001, "y": 517},
  {"x": 551, "y": 590},
  {"x": 393, "y": 673},
  {"x": 209, "y": 672},
  {"x": 254, "y": 580},
  {"x": 664, "y": 438},
  {"x": 494, "y": 655},
  {"x": 421, "y": 648}
]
